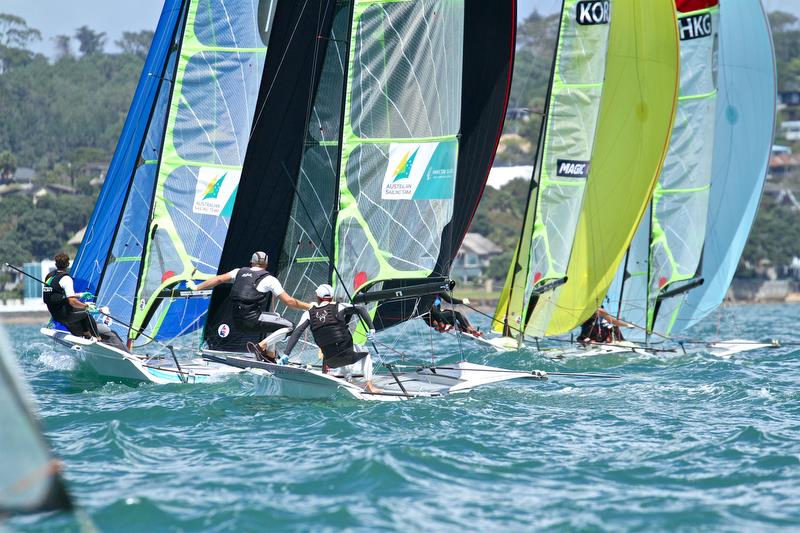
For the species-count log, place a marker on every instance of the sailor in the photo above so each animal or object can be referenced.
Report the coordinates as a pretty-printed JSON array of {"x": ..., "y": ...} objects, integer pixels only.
[
  {"x": 250, "y": 295},
  {"x": 445, "y": 319},
  {"x": 329, "y": 326},
  {"x": 67, "y": 308},
  {"x": 602, "y": 327}
]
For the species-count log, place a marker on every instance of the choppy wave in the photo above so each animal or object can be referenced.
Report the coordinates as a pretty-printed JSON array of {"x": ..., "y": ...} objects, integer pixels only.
[{"x": 688, "y": 442}]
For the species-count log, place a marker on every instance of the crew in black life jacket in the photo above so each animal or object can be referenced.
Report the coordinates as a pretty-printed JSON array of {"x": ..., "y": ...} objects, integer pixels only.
[
  {"x": 329, "y": 325},
  {"x": 66, "y": 307},
  {"x": 444, "y": 319},
  {"x": 250, "y": 294},
  {"x": 602, "y": 327}
]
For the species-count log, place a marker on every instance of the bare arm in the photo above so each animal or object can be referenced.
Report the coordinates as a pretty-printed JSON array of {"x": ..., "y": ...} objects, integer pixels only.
[
  {"x": 611, "y": 318},
  {"x": 213, "y": 282},
  {"x": 75, "y": 302},
  {"x": 293, "y": 303}
]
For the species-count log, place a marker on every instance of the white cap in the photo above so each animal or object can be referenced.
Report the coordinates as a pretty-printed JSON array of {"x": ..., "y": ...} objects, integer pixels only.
[
  {"x": 324, "y": 291},
  {"x": 259, "y": 258}
]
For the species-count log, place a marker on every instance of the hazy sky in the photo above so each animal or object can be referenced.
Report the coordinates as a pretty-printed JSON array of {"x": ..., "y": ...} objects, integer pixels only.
[{"x": 54, "y": 17}]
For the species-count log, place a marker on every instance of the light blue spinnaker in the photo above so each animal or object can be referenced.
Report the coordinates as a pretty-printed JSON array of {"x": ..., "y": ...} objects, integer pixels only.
[{"x": 744, "y": 133}]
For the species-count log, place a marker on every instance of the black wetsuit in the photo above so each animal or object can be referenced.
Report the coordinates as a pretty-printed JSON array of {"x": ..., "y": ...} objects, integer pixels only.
[
  {"x": 595, "y": 329},
  {"x": 77, "y": 321},
  {"x": 329, "y": 326},
  {"x": 446, "y": 316}
]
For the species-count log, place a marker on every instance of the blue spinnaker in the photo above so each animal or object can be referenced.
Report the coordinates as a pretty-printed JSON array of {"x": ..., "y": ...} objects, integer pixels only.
[
  {"x": 744, "y": 133},
  {"x": 88, "y": 265}
]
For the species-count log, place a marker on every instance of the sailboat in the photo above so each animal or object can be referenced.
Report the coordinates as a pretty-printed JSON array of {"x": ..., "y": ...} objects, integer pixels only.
[
  {"x": 29, "y": 476},
  {"x": 401, "y": 135},
  {"x": 746, "y": 111},
  {"x": 680, "y": 241},
  {"x": 604, "y": 138},
  {"x": 163, "y": 213}
]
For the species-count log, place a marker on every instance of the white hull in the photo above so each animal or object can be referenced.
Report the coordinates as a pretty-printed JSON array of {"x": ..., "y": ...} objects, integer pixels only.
[
  {"x": 507, "y": 344},
  {"x": 719, "y": 349},
  {"x": 730, "y": 348},
  {"x": 499, "y": 344},
  {"x": 310, "y": 383},
  {"x": 111, "y": 362}
]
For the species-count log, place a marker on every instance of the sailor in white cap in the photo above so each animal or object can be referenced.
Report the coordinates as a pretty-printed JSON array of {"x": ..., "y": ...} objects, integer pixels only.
[
  {"x": 329, "y": 322},
  {"x": 250, "y": 292}
]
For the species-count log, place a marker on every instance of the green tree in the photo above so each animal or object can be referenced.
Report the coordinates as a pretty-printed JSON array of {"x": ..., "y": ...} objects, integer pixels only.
[
  {"x": 786, "y": 37},
  {"x": 15, "y": 38},
  {"x": 135, "y": 42},
  {"x": 63, "y": 44},
  {"x": 90, "y": 41},
  {"x": 42, "y": 231},
  {"x": 8, "y": 165}
]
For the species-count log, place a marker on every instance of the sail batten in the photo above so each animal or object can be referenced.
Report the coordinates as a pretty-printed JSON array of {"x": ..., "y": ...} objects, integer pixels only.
[
  {"x": 745, "y": 119},
  {"x": 399, "y": 141},
  {"x": 635, "y": 120},
  {"x": 220, "y": 62},
  {"x": 562, "y": 166}
]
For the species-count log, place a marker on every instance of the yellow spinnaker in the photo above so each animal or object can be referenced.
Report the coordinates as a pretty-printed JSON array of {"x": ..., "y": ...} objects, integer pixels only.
[{"x": 636, "y": 114}]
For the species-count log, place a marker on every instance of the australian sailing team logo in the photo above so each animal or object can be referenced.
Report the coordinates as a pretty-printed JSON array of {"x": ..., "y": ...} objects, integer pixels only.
[
  {"x": 223, "y": 330},
  {"x": 215, "y": 191},
  {"x": 567, "y": 168},
  {"x": 695, "y": 26},
  {"x": 420, "y": 171},
  {"x": 590, "y": 12}
]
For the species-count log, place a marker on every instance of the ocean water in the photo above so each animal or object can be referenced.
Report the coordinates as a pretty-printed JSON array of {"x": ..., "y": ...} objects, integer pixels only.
[{"x": 681, "y": 442}]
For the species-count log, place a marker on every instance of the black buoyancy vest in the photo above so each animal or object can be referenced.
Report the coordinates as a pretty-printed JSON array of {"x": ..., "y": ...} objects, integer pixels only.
[
  {"x": 327, "y": 326},
  {"x": 247, "y": 299},
  {"x": 54, "y": 296}
]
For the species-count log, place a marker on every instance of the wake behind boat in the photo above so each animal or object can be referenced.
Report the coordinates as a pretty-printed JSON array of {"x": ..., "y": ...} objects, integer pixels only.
[{"x": 111, "y": 362}]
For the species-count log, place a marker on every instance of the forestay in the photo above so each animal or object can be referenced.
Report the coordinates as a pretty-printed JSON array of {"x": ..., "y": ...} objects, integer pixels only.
[{"x": 563, "y": 162}]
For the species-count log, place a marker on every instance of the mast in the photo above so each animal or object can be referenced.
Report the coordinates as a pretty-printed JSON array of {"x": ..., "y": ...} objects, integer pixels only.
[
  {"x": 92, "y": 256},
  {"x": 745, "y": 122},
  {"x": 513, "y": 296},
  {"x": 210, "y": 115},
  {"x": 487, "y": 66},
  {"x": 675, "y": 223}
]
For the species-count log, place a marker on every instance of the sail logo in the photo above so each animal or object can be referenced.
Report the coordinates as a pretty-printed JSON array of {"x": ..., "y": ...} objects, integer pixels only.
[
  {"x": 215, "y": 191},
  {"x": 695, "y": 27},
  {"x": 567, "y": 168},
  {"x": 403, "y": 170},
  {"x": 420, "y": 171},
  {"x": 212, "y": 191},
  {"x": 591, "y": 12}
]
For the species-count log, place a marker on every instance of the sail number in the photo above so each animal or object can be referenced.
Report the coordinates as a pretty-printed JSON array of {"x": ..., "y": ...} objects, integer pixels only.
[{"x": 592, "y": 12}]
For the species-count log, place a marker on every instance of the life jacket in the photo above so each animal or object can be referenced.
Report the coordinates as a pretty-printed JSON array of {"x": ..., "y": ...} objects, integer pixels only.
[
  {"x": 327, "y": 325},
  {"x": 55, "y": 297},
  {"x": 248, "y": 302},
  {"x": 597, "y": 329}
]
